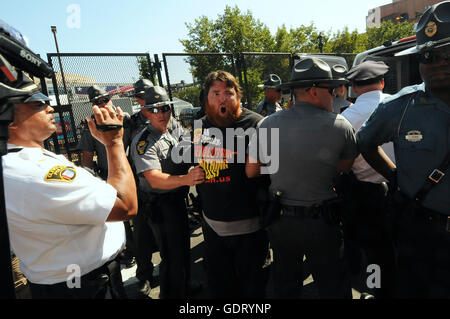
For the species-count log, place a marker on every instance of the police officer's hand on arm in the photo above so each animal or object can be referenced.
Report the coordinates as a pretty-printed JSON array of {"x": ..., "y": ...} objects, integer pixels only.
[
  {"x": 160, "y": 180},
  {"x": 120, "y": 175},
  {"x": 252, "y": 167}
]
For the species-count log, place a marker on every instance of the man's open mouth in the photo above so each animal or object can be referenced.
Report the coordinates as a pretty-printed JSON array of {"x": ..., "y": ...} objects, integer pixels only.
[{"x": 223, "y": 109}]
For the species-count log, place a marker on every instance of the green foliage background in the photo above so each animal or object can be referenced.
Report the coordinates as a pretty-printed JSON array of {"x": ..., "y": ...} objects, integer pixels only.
[{"x": 235, "y": 31}]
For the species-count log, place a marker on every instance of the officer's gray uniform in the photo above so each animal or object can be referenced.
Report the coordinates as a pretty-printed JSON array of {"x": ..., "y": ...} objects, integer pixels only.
[
  {"x": 266, "y": 107},
  {"x": 150, "y": 150},
  {"x": 142, "y": 235},
  {"x": 89, "y": 143},
  {"x": 418, "y": 124},
  {"x": 339, "y": 104},
  {"x": 154, "y": 152},
  {"x": 311, "y": 143}
]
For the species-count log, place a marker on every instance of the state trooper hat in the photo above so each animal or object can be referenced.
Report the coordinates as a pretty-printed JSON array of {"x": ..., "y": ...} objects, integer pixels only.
[
  {"x": 96, "y": 92},
  {"x": 156, "y": 96},
  {"x": 272, "y": 81},
  {"x": 141, "y": 85},
  {"x": 310, "y": 71},
  {"x": 367, "y": 72},
  {"x": 339, "y": 71},
  {"x": 432, "y": 30}
]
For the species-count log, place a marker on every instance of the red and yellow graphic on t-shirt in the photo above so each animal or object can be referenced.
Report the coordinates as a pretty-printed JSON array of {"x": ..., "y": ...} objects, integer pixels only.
[
  {"x": 61, "y": 174},
  {"x": 213, "y": 160}
]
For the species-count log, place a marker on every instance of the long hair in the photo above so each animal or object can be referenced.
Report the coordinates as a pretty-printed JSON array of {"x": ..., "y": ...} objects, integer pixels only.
[{"x": 225, "y": 77}]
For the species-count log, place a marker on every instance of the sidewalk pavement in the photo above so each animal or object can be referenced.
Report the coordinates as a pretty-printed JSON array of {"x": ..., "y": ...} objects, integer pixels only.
[{"x": 198, "y": 274}]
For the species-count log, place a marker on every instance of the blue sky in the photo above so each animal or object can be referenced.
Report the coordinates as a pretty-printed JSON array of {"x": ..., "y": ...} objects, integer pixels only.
[{"x": 156, "y": 26}]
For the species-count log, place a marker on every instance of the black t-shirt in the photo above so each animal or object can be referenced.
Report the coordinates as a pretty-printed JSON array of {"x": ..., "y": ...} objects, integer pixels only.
[{"x": 227, "y": 194}]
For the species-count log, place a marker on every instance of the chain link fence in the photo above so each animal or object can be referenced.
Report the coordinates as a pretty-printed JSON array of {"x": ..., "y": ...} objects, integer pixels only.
[
  {"x": 255, "y": 66},
  {"x": 185, "y": 74},
  {"x": 74, "y": 74}
]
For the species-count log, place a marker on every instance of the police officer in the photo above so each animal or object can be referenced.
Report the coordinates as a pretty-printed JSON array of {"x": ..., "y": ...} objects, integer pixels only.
[
  {"x": 364, "y": 227},
  {"x": 416, "y": 120},
  {"x": 163, "y": 184},
  {"x": 272, "y": 95},
  {"x": 145, "y": 243},
  {"x": 314, "y": 145},
  {"x": 62, "y": 220},
  {"x": 90, "y": 146},
  {"x": 138, "y": 120},
  {"x": 339, "y": 102}
]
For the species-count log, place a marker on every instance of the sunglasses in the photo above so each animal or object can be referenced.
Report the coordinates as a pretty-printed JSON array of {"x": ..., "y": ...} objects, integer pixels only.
[
  {"x": 430, "y": 56},
  {"x": 101, "y": 101},
  {"x": 156, "y": 110},
  {"x": 331, "y": 90}
]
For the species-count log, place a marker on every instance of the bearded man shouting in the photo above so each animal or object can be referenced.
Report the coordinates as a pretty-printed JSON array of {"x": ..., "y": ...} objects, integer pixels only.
[{"x": 236, "y": 244}]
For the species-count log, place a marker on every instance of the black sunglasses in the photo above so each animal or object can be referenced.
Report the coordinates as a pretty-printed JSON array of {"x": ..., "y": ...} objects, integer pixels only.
[
  {"x": 100, "y": 101},
  {"x": 156, "y": 110},
  {"x": 331, "y": 90},
  {"x": 430, "y": 56}
]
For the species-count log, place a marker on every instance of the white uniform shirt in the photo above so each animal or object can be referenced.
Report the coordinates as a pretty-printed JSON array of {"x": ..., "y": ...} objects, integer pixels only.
[
  {"x": 357, "y": 114},
  {"x": 56, "y": 215}
]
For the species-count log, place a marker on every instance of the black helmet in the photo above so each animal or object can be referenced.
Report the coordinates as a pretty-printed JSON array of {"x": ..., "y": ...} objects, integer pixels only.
[{"x": 15, "y": 57}]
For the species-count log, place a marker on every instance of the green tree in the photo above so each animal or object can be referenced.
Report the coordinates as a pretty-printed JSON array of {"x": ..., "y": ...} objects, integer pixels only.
[
  {"x": 145, "y": 71},
  {"x": 232, "y": 32},
  {"x": 235, "y": 32},
  {"x": 189, "y": 94},
  {"x": 388, "y": 31}
]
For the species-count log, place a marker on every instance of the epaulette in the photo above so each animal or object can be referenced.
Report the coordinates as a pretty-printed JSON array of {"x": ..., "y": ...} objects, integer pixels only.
[{"x": 405, "y": 93}]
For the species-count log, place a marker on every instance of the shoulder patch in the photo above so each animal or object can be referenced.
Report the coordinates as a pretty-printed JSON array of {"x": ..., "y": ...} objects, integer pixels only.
[
  {"x": 61, "y": 174},
  {"x": 141, "y": 146}
]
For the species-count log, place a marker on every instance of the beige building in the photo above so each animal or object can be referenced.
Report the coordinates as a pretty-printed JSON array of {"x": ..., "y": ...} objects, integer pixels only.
[{"x": 398, "y": 11}]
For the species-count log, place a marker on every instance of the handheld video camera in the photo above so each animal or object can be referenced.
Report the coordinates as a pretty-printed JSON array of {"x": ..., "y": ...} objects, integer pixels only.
[
  {"x": 15, "y": 57},
  {"x": 15, "y": 85}
]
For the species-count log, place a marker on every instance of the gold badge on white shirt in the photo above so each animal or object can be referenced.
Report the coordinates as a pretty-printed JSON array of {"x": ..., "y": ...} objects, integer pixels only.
[
  {"x": 61, "y": 173},
  {"x": 414, "y": 136}
]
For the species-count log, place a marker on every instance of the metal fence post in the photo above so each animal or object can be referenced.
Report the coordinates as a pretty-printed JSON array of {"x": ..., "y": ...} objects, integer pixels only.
[{"x": 157, "y": 65}]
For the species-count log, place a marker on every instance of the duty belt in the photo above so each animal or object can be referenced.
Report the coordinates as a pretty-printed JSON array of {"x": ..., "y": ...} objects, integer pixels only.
[
  {"x": 313, "y": 212},
  {"x": 428, "y": 215}
]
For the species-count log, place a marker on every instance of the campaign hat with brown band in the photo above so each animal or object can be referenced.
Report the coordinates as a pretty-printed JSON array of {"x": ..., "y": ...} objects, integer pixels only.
[{"x": 311, "y": 71}]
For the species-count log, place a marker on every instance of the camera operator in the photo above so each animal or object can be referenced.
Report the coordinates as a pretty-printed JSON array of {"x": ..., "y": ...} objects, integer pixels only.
[{"x": 60, "y": 217}]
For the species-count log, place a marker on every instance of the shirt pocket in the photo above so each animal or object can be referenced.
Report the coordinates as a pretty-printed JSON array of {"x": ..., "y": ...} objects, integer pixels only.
[
  {"x": 416, "y": 155},
  {"x": 163, "y": 150}
]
